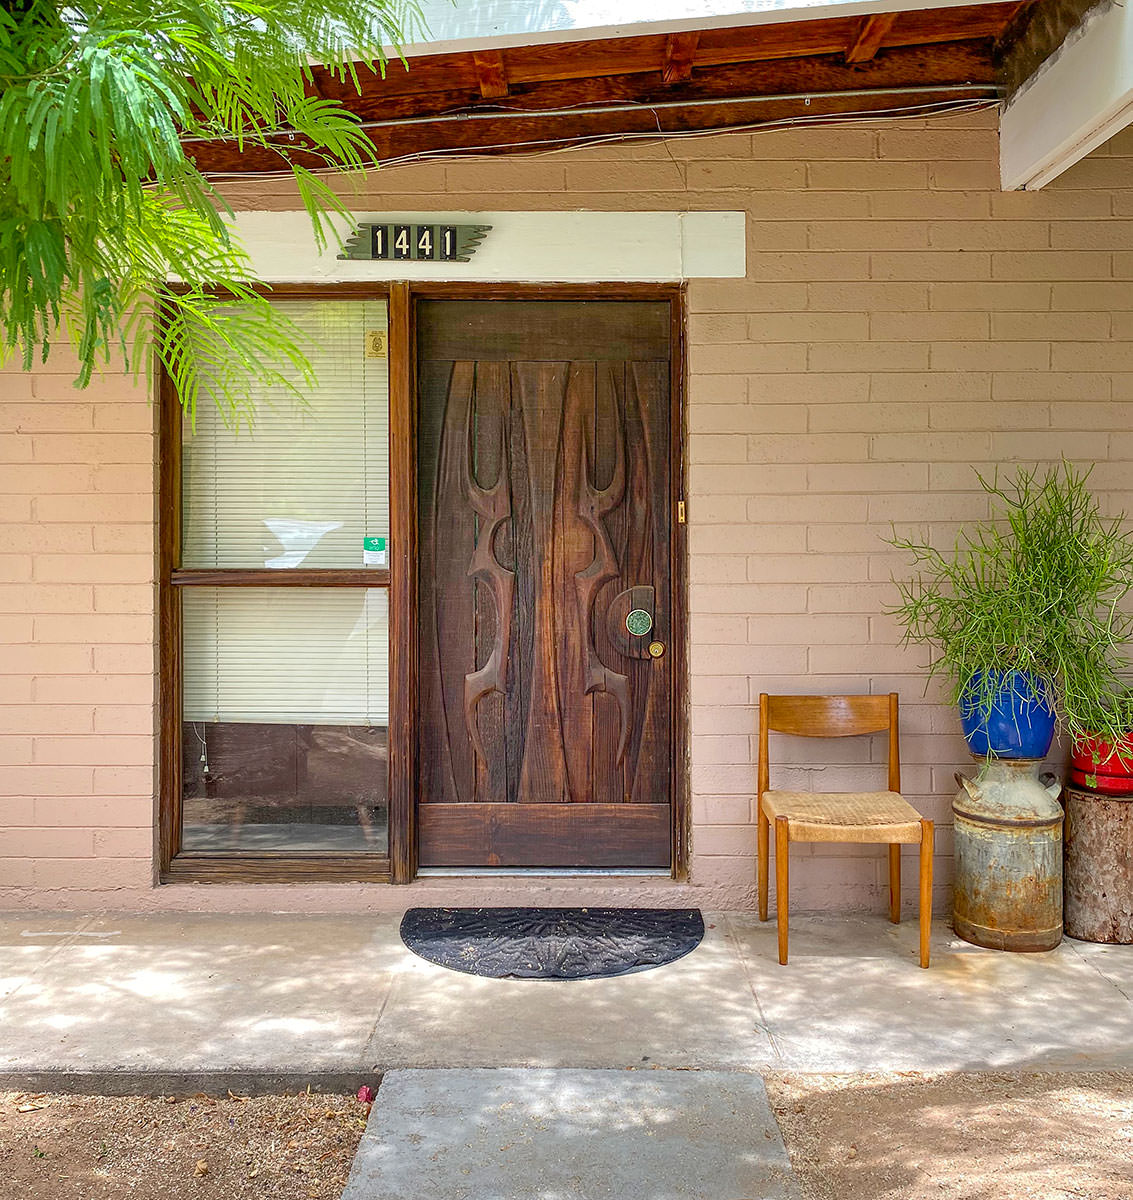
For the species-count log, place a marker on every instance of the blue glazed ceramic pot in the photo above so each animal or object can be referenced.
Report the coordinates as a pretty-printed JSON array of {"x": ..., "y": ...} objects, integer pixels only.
[{"x": 1020, "y": 724}]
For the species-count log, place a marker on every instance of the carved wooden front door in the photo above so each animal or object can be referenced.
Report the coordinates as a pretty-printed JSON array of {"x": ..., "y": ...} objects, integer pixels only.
[{"x": 546, "y": 682}]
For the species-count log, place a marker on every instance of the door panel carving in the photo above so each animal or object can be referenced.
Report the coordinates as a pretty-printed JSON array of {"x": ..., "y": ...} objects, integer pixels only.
[
  {"x": 594, "y": 504},
  {"x": 493, "y": 508},
  {"x": 544, "y": 504}
]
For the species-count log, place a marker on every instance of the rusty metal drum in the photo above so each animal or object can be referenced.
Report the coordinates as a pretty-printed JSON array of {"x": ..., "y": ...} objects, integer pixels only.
[
  {"x": 1098, "y": 870},
  {"x": 1008, "y": 856}
]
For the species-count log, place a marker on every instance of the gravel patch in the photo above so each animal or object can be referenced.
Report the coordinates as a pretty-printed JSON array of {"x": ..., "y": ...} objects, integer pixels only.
[
  {"x": 106, "y": 1148},
  {"x": 970, "y": 1136},
  {"x": 892, "y": 1136}
]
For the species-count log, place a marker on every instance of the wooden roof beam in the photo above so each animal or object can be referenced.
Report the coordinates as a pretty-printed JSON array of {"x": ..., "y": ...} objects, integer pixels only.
[
  {"x": 505, "y": 136},
  {"x": 715, "y": 98},
  {"x": 871, "y": 33},
  {"x": 447, "y": 73},
  {"x": 680, "y": 50},
  {"x": 491, "y": 74}
]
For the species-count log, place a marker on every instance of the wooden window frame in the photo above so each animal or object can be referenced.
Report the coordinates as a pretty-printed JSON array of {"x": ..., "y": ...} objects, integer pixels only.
[
  {"x": 400, "y": 580},
  {"x": 281, "y": 866}
]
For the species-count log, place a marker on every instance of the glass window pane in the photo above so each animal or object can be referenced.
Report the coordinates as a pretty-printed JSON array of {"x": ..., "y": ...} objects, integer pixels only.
[
  {"x": 307, "y": 484},
  {"x": 286, "y": 717}
]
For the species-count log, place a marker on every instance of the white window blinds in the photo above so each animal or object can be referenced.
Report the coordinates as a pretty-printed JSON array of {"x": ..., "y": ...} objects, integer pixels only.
[
  {"x": 302, "y": 489},
  {"x": 306, "y": 485},
  {"x": 302, "y": 656}
]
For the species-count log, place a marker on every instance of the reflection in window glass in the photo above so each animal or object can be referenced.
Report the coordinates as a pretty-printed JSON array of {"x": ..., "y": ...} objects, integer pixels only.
[{"x": 285, "y": 719}]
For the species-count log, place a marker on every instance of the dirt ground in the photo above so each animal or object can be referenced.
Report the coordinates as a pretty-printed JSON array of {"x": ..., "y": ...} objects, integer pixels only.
[
  {"x": 897, "y": 1136},
  {"x": 904, "y": 1136},
  {"x": 104, "y": 1148}
]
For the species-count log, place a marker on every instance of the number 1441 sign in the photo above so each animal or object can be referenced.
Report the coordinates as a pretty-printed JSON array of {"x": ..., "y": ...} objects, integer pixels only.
[{"x": 414, "y": 242}]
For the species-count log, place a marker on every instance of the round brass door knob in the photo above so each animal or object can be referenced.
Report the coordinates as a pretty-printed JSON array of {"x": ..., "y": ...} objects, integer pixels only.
[{"x": 656, "y": 649}]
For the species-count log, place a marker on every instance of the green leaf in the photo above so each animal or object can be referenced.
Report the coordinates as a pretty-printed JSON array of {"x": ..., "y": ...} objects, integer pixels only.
[{"x": 100, "y": 201}]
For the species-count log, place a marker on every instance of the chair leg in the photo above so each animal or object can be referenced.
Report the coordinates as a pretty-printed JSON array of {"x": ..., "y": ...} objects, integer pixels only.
[
  {"x": 927, "y": 846},
  {"x": 762, "y": 855},
  {"x": 895, "y": 884},
  {"x": 782, "y": 883}
]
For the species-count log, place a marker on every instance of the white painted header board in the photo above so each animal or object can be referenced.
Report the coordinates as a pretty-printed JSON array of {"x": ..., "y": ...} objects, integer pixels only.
[{"x": 524, "y": 247}]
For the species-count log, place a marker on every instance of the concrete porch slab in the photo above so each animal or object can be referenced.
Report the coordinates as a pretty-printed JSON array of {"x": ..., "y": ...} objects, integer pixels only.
[
  {"x": 331, "y": 998},
  {"x": 698, "y": 1012},
  {"x": 1112, "y": 963},
  {"x": 852, "y": 998},
  {"x": 571, "y": 1135},
  {"x": 194, "y": 992}
]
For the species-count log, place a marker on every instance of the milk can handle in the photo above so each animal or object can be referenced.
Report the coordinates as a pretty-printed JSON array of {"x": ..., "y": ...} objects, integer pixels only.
[{"x": 968, "y": 786}]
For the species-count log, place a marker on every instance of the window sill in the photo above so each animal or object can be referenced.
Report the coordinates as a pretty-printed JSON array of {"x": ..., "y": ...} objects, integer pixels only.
[{"x": 278, "y": 868}]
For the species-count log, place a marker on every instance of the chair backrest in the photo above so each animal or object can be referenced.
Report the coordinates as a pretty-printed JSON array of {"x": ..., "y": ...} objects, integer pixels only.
[{"x": 828, "y": 717}]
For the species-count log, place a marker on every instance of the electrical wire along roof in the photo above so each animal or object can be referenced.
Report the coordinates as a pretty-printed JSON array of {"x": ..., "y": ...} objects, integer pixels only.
[{"x": 510, "y": 76}]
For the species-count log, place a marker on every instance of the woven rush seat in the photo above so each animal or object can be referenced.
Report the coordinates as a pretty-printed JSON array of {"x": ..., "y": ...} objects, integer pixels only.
[{"x": 863, "y": 817}]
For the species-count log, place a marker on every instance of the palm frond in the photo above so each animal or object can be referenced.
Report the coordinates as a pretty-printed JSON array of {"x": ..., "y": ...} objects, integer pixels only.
[{"x": 100, "y": 202}]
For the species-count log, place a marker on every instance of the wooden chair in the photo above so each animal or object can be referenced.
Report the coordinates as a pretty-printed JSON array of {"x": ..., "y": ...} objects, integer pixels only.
[{"x": 862, "y": 817}]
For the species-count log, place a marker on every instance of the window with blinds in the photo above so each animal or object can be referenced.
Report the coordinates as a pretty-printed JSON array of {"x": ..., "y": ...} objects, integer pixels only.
[
  {"x": 296, "y": 656},
  {"x": 285, "y": 689},
  {"x": 307, "y": 484}
]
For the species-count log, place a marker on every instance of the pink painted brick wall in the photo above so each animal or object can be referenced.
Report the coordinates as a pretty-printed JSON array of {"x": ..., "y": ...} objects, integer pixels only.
[
  {"x": 901, "y": 321},
  {"x": 76, "y": 636}
]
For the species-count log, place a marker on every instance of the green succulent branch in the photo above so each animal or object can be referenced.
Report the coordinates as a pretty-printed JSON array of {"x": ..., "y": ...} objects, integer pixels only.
[
  {"x": 1041, "y": 587},
  {"x": 100, "y": 200}
]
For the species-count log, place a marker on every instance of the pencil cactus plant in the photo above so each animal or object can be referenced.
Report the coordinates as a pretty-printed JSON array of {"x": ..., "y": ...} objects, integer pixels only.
[{"x": 1035, "y": 597}]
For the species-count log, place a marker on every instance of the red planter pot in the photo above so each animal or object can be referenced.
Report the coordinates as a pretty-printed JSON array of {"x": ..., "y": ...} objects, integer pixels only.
[{"x": 1103, "y": 767}]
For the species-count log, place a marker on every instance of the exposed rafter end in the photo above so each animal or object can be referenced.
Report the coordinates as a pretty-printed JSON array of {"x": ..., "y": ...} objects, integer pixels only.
[
  {"x": 491, "y": 74},
  {"x": 680, "y": 50},
  {"x": 871, "y": 33}
]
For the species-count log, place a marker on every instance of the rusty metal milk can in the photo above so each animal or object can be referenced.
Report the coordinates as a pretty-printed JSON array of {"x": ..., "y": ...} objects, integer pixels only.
[{"x": 1008, "y": 830}]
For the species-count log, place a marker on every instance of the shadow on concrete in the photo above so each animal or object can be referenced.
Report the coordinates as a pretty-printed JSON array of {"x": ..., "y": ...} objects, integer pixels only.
[
  {"x": 853, "y": 999},
  {"x": 698, "y": 1012},
  {"x": 337, "y": 996},
  {"x": 571, "y": 1135},
  {"x": 191, "y": 992}
]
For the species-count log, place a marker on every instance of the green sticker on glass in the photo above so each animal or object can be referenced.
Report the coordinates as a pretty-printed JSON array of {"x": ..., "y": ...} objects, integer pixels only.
[
  {"x": 639, "y": 622},
  {"x": 374, "y": 552}
]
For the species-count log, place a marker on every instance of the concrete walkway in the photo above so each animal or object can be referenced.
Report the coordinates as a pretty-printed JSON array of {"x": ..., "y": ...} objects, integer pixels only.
[
  {"x": 516, "y": 1134},
  {"x": 88, "y": 1001}
]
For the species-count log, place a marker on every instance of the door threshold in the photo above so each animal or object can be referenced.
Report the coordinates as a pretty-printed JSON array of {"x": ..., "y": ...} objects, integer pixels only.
[{"x": 543, "y": 872}]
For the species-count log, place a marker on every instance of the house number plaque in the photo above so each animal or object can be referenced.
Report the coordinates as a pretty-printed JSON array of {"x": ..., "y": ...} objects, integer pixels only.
[{"x": 413, "y": 242}]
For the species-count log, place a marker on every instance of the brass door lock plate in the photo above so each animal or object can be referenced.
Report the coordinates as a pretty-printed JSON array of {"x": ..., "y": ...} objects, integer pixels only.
[{"x": 656, "y": 649}]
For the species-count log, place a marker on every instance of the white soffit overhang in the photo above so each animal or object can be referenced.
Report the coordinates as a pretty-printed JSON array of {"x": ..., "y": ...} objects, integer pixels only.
[
  {"x": 522, "y": 247},
  {"x": 1078, "y": 99},
  {"x": 452, "y": 28}
]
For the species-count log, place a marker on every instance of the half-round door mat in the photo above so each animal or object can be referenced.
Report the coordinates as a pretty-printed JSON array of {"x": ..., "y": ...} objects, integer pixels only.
[{"x": 551, "y": 943}]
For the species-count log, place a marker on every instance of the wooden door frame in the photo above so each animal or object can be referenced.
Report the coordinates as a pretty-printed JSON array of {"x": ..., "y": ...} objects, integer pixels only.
[{"x": 404, "y": 778}]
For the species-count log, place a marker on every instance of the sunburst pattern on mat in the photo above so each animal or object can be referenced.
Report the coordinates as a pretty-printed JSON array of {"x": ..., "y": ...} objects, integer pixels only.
[{"x": 551, "y": 943}]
